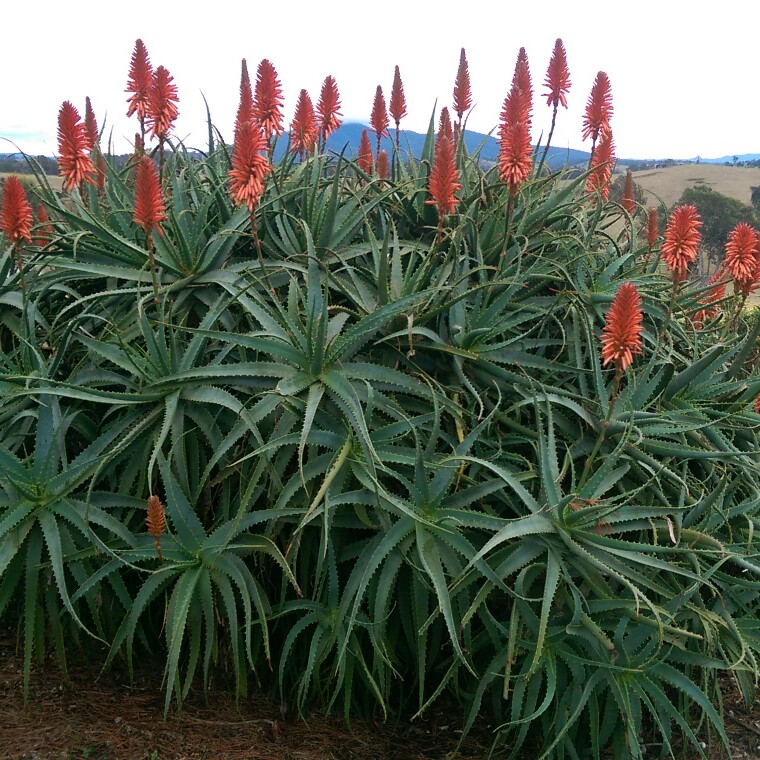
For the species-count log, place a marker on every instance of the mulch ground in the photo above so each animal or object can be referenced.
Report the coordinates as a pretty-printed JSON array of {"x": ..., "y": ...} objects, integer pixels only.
[{"x": 110, "y": 718}]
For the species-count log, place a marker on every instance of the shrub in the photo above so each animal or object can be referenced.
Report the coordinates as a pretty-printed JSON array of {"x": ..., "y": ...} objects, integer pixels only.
[{"x": 385, "y": 455}]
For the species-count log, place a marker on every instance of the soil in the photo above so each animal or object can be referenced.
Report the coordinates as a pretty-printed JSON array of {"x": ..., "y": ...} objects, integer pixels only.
[{"x": 111, "y": 718}]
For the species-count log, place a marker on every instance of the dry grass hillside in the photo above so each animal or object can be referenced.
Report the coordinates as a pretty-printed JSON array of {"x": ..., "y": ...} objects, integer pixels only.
[
  {"x": 667, "y": 184},
  {"x": 55, "y": 182}
]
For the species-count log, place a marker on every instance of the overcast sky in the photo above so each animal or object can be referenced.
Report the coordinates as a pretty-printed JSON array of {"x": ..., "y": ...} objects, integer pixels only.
[{"x": 684, "y": 75}]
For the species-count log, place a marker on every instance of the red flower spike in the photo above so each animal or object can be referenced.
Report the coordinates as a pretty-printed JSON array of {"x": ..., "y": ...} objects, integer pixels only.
[
  {"x": 602, "y": 163},
  {"x": 245, "y": 107},
  {"x": 653, "y": 227},
  {"x": 621, "y": 336},
  {"x": 45, "y": 231},
  {"x": 16, "y": 212},
  {"x": 139, "y": 82},
  {"x": 382, "y": 164},
  {"x": 515, "y": 150},
  {"x": 444, "y": 177},
  {"x": 150, "y": 209},
  {"x": 74, "y": 162},
  {"x": 397, "y": 105},
  {"x": 249, "y": 166},
  {"x": 162, "y": 104},
  {"x": 379, "y": 120},
  {"x": 90, "y": 123},
  {"x": 681, "y": 241},
  {"x": 328, "y": 107},
  {"x": 267, "y": 103},
  {"x": 517, "y": 107},
  {"x": 557, "y": 77},
  {"x": 462, "y": 91},
  {"x": 742, "y": 253},
  {"x": 711, "y": 300},
  {"x": 304, "y": 132},
  {"x": 365, "y": 159},
  {"x": 756, "y": 405},
  {"x": 101, "y": 170},
  {"x": 628, "y": 200},
  {"x": 521, "y": 78},
  {"x": 444, "y": 124},
  {"x": 155, "y": 522},
  {"x": 598, "y": 108}
]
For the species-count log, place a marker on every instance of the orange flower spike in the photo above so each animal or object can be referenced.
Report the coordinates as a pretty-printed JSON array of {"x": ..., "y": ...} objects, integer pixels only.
[
  {"x": 521, "y": 78},
  {"x": 365, "y": 159},
  {"x": 742, "y": 252},
  {"x": 379, "y": 120},
  {"x": 602, "y": 163},
  {"x": 653, "y": 227},
  {"x": 155, "y": 522},
  {"x": 628, "y": 201},
  {"x": 711, "y": 300},
  {"x": 382, "y": 164},
  {"x": 397, "y": 105},
  {"x": 304, "y": 131},
  {"x": 515, "y": 156},
  {"x": 74, "y": 162},
  {"x": 328, "y": 107},
  {"x": 599, "y": 108},
  {"x": 245, "y": 107},
  {"x": 557, "y": 77},
  {"x": 90, "y": 123},
  {"x": 444, "y": 124},
  {"x": 444, "y": 177},
  {"x": 139, "y": 81},
  {"x": 45, "y": 232},
  {"x": 462, "y": 91},
  {"x": 267, "y": 103},
  {"x": 681, "y": 241},
  {"x": 150, "y": 209},
  {"x": 162, "y": 104},
  {"x": 249, "y": 166},
  {"x": 515, "y": 150},
  {"x": 621, "y": 336},
  {"x": 522, "y": 81},
  {"x": 16, "y": 212}
]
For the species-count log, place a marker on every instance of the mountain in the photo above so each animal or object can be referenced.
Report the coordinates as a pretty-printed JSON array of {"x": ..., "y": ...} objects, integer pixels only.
[
  {"x": 347, "y": 138},
  {"x": 728, "y": 159}
]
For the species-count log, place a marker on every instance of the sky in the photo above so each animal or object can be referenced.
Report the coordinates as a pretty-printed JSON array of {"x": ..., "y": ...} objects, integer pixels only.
[{"x": 683, "y": 74}]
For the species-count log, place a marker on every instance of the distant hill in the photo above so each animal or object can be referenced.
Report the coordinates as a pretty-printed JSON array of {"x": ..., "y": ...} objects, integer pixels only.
[
  {"x": 744, "y": 157},
  {"x": 347, "y": 138}
]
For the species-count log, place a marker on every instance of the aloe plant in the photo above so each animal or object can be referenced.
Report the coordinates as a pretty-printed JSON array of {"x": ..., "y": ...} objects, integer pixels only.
[{"x": 395, "y": 465}]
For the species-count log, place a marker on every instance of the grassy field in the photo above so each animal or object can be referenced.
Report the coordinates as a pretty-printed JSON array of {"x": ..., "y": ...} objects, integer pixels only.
[
  {"x": 55, "y": 182},
  {"x": 667, "y": 184}
]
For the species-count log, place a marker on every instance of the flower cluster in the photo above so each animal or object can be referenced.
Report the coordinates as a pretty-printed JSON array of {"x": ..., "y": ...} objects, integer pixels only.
[
  {"x": 621, "y": 336},
  {"x": 743, "y": 258},
  {"x": 444, "y": 176},
  {"x": 74, "y": 148},
  {"x": 15, "y": 212},
  {"x": 557, "y": 77},
  {"x": 515, "y": 150},
  {"x": 681, "y": 241}
]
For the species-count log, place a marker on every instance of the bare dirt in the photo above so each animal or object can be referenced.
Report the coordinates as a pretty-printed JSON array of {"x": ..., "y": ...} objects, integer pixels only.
[{"x": 111, "y": 718}]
